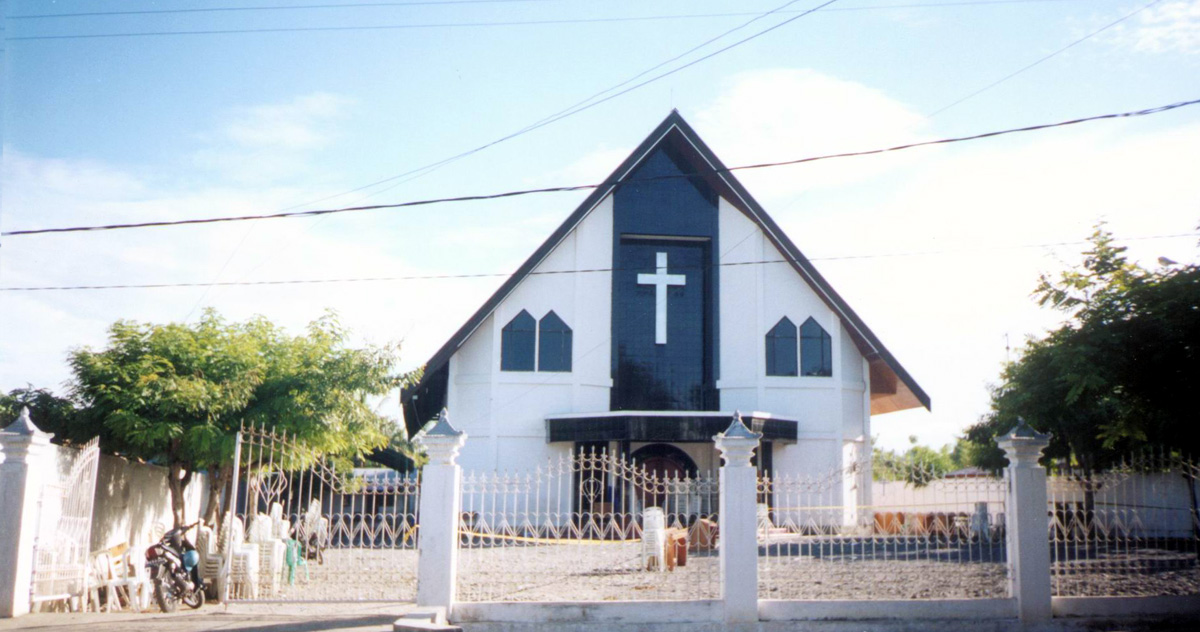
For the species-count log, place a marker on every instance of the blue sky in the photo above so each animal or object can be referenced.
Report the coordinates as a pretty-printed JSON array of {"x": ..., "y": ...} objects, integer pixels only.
[{"x": 141, "y": 127}]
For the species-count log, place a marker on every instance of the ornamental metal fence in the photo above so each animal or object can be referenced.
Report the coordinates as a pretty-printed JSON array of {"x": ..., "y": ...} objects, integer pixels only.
[
  {"x": 842, "y": 535},
  {"x": 305, "y": 530},
  {"x": 1131, "y": 529},
  {"x": 588, "y": 527},
  {"x": 64, "y": 531}
]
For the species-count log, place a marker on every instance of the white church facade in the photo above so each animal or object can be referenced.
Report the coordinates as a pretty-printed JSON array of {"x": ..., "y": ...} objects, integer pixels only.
[{"x": 667, "y": 300}]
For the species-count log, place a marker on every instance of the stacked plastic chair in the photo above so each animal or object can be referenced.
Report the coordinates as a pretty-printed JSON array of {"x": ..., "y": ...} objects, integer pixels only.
[
  {"x": 654, "y": 539},
  {"x": 272, "y": 552},
  {"x": 243, "y": 574},
  {"x": 210, "y": 555}
]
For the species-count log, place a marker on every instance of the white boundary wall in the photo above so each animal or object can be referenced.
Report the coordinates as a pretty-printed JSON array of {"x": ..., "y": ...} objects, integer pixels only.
[{"x": 132, "y": 497}]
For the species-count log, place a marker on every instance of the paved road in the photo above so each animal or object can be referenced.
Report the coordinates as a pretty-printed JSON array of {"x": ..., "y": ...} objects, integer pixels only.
[{"x": 257, "y": 618}]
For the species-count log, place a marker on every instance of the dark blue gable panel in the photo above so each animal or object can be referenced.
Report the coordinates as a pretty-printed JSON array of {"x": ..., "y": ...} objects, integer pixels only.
[{"x": 654, "y": 211}]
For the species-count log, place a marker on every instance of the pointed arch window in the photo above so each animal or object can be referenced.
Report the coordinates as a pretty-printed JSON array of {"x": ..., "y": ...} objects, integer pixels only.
[
  {"x": 816, "y": 350},
  {"x": 554, "y": 344},
  {"x": 517, "y": 342},
  {"x": 781, "y": 348}
]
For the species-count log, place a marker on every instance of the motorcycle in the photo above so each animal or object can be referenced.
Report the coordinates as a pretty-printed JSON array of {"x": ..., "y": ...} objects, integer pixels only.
[{"x": 174, "y": 567}]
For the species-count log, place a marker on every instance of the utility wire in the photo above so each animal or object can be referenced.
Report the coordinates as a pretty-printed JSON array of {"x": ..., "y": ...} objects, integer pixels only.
[
  {"x": 1046, "y": 58},
  {"x": 580, "y": 187},
  {"x": 357, "y": 5},
  {"x": 486, "y": 275},
  {"x": 557, "y": 116},
  {"x": 445, "y": 25},
  {"x": 352, "y": 5},
  {"x": 422, "y": 171}
]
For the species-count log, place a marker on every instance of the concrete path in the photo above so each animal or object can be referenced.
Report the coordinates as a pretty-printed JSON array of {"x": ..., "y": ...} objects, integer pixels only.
[{"x": 234, "y": 618}]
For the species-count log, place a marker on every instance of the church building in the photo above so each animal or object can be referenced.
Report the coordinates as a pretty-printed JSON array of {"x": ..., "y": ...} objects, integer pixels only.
[{"x": 667, "y": 300}]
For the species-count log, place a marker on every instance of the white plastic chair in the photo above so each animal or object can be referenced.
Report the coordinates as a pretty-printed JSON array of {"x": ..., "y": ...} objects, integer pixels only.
[
  {"x": 272, "y": 551},
  {"x": 113, "y": 574},
  {"x": 210, "y": 556},
  {"x": 282, "y": 529},
  {"x": 243, "y": 574},
  {"x": 654, "y": 538},
  {"x": 313, "y": 529},
  {"x": 137, "y": 579}
]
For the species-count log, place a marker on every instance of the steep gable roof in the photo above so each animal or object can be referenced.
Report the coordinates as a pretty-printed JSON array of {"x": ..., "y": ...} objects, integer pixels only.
[{"x": 892, "y": 388}]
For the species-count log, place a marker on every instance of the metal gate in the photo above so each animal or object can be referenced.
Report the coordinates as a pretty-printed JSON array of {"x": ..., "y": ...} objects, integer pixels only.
[
  {"x": 305, "y": 530},
  {"x": 64, "y": 532},
  {"x": 592, "y": 526}
]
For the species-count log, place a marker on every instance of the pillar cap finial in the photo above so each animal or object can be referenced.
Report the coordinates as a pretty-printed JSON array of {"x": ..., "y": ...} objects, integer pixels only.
[
  {"x": 1024, "y": 431},
  {"x": 443, "y": 428},
  {"x": 737, "y": 429},
  {"x": 23, "y": 425}
]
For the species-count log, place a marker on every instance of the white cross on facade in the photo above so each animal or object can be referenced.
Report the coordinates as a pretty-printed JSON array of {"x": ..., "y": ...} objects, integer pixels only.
[{"x": 660, "y": 280}]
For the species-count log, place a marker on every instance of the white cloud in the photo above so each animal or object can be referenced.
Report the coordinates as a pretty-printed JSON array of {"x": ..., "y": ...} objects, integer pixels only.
[
  {"x": 1170, "y": 27},
  {"x": 272, "y": 142},
  {"x": 295, "y": 124},
  {"x": 784, "y": 114}
]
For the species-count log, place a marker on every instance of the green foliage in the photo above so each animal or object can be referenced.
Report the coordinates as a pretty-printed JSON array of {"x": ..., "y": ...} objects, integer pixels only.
[
  {"x": 1116, "y": 375},
  {"x": 177, "y": 394},
  {"x": 169, "y": 391},
  {"x": 50, "y": 413},
  {"x": 920, "y": 464}
]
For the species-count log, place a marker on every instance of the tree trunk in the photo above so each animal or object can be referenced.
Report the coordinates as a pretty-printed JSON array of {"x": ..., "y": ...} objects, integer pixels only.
[
  {"x": 178, "y": 478},
  {"x": 215, "y": 506}
]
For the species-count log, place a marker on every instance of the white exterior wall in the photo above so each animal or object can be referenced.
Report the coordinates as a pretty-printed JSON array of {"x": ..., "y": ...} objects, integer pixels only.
[
  {"x": 832, "y": 412},
  {"x": 504, "y": 412}
]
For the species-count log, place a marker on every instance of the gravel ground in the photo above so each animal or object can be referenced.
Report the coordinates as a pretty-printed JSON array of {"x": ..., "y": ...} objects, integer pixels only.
[
  {"x": 805, "y": 578},
  {"x": 609, "y": 571},
  {"x": 352, "y": 575},
  {"x": 600, "y": 571}
]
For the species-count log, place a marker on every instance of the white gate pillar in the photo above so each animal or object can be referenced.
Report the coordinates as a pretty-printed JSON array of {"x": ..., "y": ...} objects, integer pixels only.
[
  {"x": 739, "y": 522},
  {"x": 1028, "y": 525},
  {"x": 28, "y": 456},
  {"x": 441, "y": 502}
]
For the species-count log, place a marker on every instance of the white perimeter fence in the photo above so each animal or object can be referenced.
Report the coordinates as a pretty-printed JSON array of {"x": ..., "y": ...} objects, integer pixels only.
[
  {"x": 927, "y": 536},
  {"x": 593, "y": 536}
]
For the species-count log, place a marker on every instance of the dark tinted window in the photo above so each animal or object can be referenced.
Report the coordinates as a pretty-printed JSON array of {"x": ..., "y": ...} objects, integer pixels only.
[
  {"x": 517, "y": 340},
  {"x": 781, "y": 348},
  {"x": 816, "y": 350},
  {"x": 554, "y": 344}
]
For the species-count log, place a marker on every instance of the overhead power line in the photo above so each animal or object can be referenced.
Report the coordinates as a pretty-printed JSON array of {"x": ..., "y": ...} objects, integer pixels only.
[
  {"x": 447, "y": 25},
  {"x": 508, "y": 194},
  {"x": 359, "y": 5},
  {"x": 1046, "y": 58},
  {"x": 451, "y": 2},
  {"x": 571, "y": 110},
  {"x": 485, "y": 275},
  {"x": 287, "y": 7},
  {"x": 567, "y": 112}
]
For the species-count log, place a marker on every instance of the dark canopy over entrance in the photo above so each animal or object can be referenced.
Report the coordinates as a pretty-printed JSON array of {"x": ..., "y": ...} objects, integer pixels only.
[{"x": 666, "y": 426}]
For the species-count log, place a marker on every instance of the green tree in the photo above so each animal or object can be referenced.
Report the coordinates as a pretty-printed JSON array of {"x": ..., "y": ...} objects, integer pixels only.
[
  {"x": 50, "y": 413},
  {"x": 919, "y": 464},
  {"x": 177, "y": 394},
  {"x": 169, "y": 392},
  {"x": 1115, "y": 375}
]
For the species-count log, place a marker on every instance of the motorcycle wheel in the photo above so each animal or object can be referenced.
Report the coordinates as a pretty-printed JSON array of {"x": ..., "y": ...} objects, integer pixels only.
[
  {"x": 166, "y": 598},
  {"x": 194, "y": 599}
]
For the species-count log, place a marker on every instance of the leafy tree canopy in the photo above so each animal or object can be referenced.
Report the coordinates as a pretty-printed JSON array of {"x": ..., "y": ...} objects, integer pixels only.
[
  {"x": 920, "y": 464},
  {"x": 177, "y": 394},
  {"x": 50, "y": 413},
  {"x": 1117, "y": 374}
]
